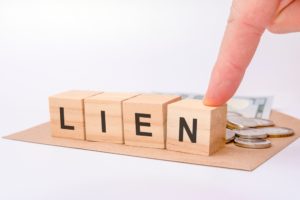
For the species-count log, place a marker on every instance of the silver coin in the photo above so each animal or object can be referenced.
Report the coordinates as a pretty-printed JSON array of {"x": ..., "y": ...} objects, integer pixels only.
[
  {"x": 234, "y": 114},
  {"x": 263, "y": 122},
  {"x": 243, "y": 123},
  {"x": 278, "y": 131},
  {"x": 230, "y": 135},
  {"x": 252, "y": 143},
  {"x": 251, "y": 133}
]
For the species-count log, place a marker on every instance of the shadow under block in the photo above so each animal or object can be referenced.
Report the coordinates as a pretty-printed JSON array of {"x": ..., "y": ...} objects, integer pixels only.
[
  {"x": 104, "y": 117},
  {"x": 67, "y": 114},
  {"x": 195, "y": 128},
  {"x": 144, "y": 119}
]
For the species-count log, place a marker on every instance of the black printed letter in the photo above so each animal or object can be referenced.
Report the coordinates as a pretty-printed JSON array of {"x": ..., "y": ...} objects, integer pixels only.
[
  {"x": 183, "y": 125},
  {"x": 103, "y": 121},
  {"x": 62, "y": 120},
  {"x": 138, "y": 124}
]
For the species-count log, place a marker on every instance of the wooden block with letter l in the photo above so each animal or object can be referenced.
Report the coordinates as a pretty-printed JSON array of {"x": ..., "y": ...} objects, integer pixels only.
[
  {"x": 67, "y": 114},
  {"x": 104, "y": 117},
  {"x": 195, "y": 128},
  {"x": 144, "y": 119}
]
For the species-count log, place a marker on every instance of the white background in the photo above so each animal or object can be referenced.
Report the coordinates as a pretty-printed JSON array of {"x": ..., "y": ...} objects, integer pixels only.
[{"x": 130, "y": 45}]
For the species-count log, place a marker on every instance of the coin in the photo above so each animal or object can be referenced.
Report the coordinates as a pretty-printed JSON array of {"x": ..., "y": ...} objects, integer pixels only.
[
  {"x": 239, "y": 122},
  {"x": 263, "y": 122},
  {"x": 251, "y": 133},
  {"x": 277, "y": 131},
  {"x": 233, "y": 114},
  {"x": 230, "y": 135},
  {"x": 252, "y": 143},
  {"x": 231, "y": 126}
]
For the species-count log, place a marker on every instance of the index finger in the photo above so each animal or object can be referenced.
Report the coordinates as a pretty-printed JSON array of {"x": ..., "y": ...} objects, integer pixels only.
[{"x": 247, "y": 22}]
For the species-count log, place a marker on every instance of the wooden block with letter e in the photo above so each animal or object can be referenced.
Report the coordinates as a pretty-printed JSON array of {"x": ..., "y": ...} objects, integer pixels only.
[
  {"x": 104, "y": 117},
  {"x": 144, "y": 119},
  {"x": 67, "y": 114},
  {"x": 195, "y": 128}
]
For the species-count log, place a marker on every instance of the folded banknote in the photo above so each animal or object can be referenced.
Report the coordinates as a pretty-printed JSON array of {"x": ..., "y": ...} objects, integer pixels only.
[{"x": 257, "y": 107}]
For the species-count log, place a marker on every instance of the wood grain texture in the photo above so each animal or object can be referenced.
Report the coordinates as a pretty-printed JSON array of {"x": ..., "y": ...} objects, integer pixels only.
[
  {"x": 155, "y": 106},
  {"x": 112, "y": 106},
  {"x": 73, "y": 110},
  {"x": 209, "y": 123},
  {"x": 230, "y": 156}
]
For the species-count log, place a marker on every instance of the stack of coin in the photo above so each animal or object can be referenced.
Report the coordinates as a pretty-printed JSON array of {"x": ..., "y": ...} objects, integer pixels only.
[
  {"x": 252, "y": 138},
  {"x": 252, "y": 132}
]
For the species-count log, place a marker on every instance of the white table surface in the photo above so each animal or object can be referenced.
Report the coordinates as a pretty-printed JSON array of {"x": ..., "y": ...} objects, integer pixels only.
[{"x": 51, "y": 46}]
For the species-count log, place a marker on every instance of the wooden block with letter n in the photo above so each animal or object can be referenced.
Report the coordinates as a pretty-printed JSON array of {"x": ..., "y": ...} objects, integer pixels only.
[
  {"x": 104, "y": 117},
  {"x": 195, "y": 128},
  {"x": 144, "y": 119},
  {"x": 67, "y": 114}
]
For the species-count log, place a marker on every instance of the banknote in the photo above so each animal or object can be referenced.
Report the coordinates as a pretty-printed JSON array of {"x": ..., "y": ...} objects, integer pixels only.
[
  {"x": 251, "y": 107},
  {"x": 257, "y": 107}
]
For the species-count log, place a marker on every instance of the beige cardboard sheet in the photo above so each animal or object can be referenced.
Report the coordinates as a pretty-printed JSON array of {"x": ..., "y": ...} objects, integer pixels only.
[{"x": 229, "y": 157}]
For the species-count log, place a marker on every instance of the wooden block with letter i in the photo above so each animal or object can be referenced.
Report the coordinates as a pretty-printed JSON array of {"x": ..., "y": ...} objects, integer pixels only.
[
  {"x": 144, "y": 120},
  {"x": 67, "y": 114},
  {"x": 195, "y": 128},
  {"x": 104, "y": 117}
]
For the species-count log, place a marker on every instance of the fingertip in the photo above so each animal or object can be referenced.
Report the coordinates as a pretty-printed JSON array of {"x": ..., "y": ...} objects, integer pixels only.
[
  {"x": 213, "y": 101},
  {"x": 209, "y": 102}
]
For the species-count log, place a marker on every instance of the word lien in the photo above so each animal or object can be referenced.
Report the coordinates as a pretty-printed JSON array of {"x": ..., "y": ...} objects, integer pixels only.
[
  {"x": 142, "y": 120},
  {"x": 138, "y": 123}
]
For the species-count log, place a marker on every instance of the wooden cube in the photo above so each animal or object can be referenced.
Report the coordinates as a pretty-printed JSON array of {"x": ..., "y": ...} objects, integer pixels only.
[
  {"x": 67, "y": 114},
  {"x": 195, "y": 128},
  {"x": 104, "y": 117},
  {"x": 144, "y": 119}
]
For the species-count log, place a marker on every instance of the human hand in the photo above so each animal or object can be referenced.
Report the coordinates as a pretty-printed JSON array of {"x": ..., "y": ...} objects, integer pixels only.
[{"x": 247, "y": 22}]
